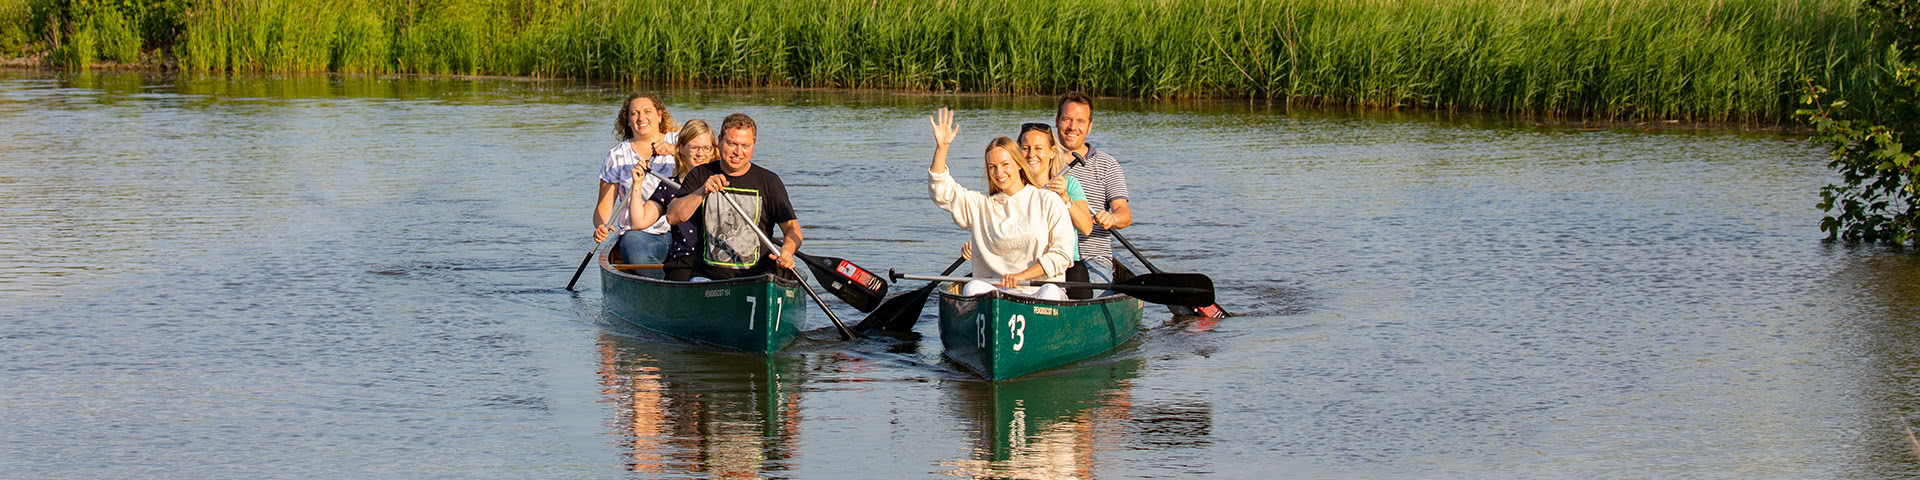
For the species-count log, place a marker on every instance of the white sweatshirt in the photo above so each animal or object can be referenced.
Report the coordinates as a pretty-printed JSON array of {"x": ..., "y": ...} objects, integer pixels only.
[{"x": 1010, "y": 232}]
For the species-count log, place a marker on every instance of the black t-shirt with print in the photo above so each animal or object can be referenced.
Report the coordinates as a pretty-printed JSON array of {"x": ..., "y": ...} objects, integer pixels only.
[{"x": 724, "y": 242}]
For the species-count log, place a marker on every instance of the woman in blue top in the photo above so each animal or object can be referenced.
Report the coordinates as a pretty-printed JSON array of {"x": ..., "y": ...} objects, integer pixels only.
[{"x": 1046, "y": 164}]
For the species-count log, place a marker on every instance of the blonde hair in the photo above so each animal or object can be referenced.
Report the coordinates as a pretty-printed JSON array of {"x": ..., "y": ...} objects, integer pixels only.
[
  {"x": 1053, "y": 160},
  {"x": 683, "y": 161},
  {"x": 1013, "y": 152}
]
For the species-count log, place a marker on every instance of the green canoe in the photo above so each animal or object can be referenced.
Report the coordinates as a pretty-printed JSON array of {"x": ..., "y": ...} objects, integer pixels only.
[
  {"x": 1000, "y": 336},
  {"x": 758, "y": 315}
]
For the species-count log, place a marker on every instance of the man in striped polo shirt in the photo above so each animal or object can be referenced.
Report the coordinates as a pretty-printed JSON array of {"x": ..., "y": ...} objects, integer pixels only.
[{"x": 1103, "y": 179}]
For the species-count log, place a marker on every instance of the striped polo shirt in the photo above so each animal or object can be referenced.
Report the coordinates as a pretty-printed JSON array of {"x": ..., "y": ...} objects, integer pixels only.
[{"x": 1105, "y": 182}]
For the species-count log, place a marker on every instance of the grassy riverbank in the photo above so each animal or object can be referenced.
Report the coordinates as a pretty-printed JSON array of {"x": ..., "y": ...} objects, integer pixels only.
[{"x": 1699, "y": 60}]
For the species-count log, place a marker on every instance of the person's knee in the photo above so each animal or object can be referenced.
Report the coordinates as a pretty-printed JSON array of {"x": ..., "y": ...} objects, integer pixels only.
[
  {"x": 1050, "y": 292},
  {"x": 977, "y": 287}
]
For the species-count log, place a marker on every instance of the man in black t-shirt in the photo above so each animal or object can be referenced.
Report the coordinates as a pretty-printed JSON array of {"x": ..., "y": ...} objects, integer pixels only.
[{"x": 728, "y": 245}]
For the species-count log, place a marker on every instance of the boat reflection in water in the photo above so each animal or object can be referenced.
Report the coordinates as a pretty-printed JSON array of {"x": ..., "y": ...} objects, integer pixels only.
[
  {"x": 1052, "y": 424},
  {"x": 690, "y": 412}
]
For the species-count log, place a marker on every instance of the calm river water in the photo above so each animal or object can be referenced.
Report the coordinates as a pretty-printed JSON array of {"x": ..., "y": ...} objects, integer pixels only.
[{"x": 325, "y": 277}]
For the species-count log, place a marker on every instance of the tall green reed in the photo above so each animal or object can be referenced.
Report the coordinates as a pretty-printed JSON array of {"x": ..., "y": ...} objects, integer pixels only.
[{"x": 1712, "y": 60}]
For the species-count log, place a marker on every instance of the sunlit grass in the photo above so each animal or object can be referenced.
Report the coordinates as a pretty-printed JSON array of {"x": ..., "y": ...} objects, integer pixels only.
[{"x": 1714, "y": 60}]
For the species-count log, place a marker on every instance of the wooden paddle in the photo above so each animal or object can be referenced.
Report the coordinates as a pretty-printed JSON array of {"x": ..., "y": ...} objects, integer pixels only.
[
  {"x": 1211, "y": 309},
  {"x": 858, "y": 287},
  {"x": 1185, "y": 289},
  {"x": 618, "y": 206},
  {"x": 898, "y": 314},
  {"x": 845, "y": 334}
]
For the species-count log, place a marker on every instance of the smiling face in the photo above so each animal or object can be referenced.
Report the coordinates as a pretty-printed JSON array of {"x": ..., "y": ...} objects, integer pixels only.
[
  {"x": 1074, "y": 122},
  {"x": 1036, "y": 150},
  {"x": 736, "y": 150},
  {"x": 1004, "y": 172},
  {"x": 698, "y": 150},
  {"x": 643, "y": 118}
]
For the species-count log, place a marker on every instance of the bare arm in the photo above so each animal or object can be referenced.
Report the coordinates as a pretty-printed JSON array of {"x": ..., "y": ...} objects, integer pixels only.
[
  {"x": 1120, "y": 216},
  {"x": 790, "y": 244},
  {"x": 1077, "y": 211},
  {"x": 682, "y": 208},
  {"x": 1031, "y": 273},
  {"x": 603, "y": 211},
  {"x": 1081, "y": 215},
  {"x": 644, "y": 212}
]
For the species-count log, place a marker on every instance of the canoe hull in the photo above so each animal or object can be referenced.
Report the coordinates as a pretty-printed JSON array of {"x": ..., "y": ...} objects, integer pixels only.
[
  {"x": 757, "y": 315},
  {"x": 1000, "y": 336}
]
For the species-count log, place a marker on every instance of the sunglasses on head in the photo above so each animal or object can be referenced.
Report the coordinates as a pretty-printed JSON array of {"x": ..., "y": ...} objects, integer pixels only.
[{"x": 1032, "y": 126}]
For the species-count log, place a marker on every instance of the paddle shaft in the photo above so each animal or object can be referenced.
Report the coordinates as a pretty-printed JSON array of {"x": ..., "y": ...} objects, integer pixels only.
[
  {"x": 899, "y": 313},
  {"x": 1136, "y": 252},
  {"x": 845, "y": 333},
  {"x": 1103, "y": 286},
  {"x": 617, "y": 205},
  {"x": 1209, "y": 310}
]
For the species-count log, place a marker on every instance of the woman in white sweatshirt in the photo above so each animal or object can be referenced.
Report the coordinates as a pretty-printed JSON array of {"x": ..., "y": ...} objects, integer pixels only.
[{"x": 1020, "y": 232}]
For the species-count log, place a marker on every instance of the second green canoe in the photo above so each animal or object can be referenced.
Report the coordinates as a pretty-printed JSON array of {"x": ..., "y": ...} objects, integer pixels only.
[
  {"x": 1000, "y": 336},
  {"x": 758, "y": 315}
]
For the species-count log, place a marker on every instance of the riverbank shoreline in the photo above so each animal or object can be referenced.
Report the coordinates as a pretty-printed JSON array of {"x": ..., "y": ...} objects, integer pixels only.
[{"x": 36, "y": 65}]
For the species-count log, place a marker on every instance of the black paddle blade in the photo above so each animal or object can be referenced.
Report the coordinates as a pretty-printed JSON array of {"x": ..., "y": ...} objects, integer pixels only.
[
  {"x": 898, "y": 314},
  {"x": 1187, "y": 289},
  {"x": 858, "y": 287},
  {"x": 576, "y": 271}
]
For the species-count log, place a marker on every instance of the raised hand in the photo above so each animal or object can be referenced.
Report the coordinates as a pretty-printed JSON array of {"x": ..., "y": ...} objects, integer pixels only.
[{"x": 943, "y": 128}]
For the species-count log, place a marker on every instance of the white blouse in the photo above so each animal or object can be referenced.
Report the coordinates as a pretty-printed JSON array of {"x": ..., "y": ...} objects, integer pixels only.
[
  {"x": 617, "y": 169},
  {"x": 1010, "y": 232}
]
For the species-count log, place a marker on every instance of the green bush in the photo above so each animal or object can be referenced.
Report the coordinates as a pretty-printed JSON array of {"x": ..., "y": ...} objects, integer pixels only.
[
  {"x": 1878, "y": 198},
  {"x": 14, "y": 33}
]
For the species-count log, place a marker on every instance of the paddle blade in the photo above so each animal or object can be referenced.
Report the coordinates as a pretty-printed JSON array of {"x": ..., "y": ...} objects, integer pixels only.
[
  {"x": 898, "y": 314},
  {"x": 1187, "y": 289},
  {"x": 859, "y": 288}
]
